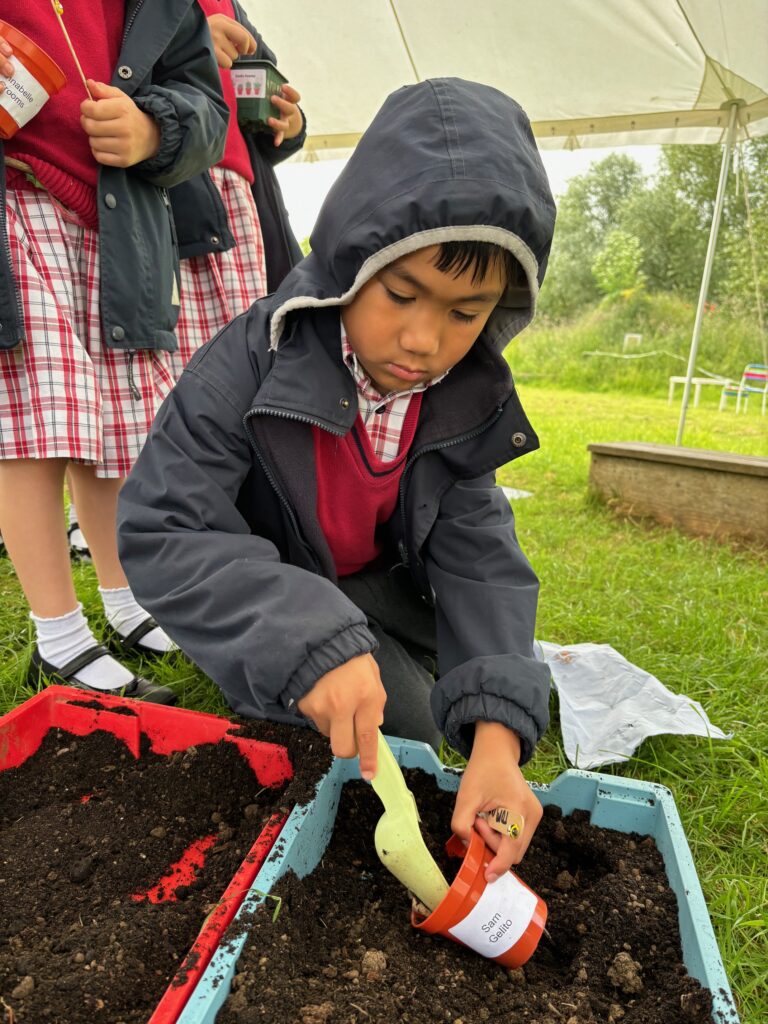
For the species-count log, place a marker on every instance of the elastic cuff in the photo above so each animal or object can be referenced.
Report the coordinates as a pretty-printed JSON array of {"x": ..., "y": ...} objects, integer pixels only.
[
  {"x": 164, "y": 113},
  {"x": 348, "y": 643},
  {"x": 462, "y": 715}
]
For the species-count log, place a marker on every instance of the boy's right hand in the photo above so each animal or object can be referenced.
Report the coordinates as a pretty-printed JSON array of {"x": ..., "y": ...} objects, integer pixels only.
[
  {"x": 230, "y": 39},
  {"x": 347, "y": 704}
]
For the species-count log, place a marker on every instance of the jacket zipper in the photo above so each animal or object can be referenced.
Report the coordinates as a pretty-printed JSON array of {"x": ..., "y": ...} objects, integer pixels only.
[
  {"x": 437, "y": 446},
  {"x": 268, "y": 472},
  {"x": 132, "y": 18},
  {"x": 9, "y": 262}
]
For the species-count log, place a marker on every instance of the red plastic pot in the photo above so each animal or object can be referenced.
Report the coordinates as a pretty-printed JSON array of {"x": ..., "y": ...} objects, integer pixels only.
[
  {"x": 35, "y": 79},
  {"x": 502, "y": 921},
  {"x": 168, "y": 729}
]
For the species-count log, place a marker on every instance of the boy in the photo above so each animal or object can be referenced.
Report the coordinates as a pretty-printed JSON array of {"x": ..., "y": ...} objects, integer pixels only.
[{"x": 320, "y": 488}]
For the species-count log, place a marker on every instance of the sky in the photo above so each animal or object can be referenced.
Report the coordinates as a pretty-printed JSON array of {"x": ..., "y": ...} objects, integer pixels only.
[{"x": 305, "y": 185}]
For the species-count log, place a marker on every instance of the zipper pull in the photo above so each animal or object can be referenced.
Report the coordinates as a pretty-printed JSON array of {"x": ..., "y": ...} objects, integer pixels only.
[{"x": 131, "y": 382}]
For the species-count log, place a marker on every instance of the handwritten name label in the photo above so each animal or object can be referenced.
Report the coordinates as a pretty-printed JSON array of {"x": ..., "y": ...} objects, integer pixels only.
[{"x": 23, "y": 95}]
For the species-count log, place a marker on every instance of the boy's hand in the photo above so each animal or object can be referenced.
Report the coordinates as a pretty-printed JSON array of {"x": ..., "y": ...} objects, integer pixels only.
[
  {"x": 120, "y": 134},
  {"x": 6, "y": 66},
  {"x": 288, "y": 125},
  {"x": 230, "y": 39},
  {"x": 491, "y": 779},
  {"x": 347, "y": 704}
]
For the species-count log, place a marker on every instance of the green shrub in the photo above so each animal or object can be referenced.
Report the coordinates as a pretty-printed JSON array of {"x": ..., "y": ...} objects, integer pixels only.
[{"x": 564, "y": 354}]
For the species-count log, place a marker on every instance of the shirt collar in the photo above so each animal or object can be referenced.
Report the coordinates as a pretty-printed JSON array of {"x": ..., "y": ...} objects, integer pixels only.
[{"x": 363, "y": 382}]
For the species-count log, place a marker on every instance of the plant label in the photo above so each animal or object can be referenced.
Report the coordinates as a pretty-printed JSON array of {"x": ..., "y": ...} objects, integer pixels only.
[
  {"x": 250, "y": 82},
  {"x": 499, "y": 918},
  {"x": 23, "y": 95}
]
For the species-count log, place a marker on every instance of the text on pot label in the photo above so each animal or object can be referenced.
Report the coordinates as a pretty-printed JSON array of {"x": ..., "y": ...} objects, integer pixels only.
[
  {"x": 499, "y": 917},
  {"x": 23, "y": 95}
]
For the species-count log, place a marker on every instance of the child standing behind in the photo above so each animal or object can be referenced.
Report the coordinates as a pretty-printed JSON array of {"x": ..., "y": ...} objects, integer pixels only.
[
  {"x": 235, "y": 240},
  {"x": 89, "y": 300}
]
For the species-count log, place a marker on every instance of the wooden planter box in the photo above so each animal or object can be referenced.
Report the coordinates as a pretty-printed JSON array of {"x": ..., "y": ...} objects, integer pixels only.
[{"x": 703, "y": 492}]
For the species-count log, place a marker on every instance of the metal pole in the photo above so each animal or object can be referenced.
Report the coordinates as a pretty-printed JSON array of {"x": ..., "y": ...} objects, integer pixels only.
[{"x": 713, "y": 231}]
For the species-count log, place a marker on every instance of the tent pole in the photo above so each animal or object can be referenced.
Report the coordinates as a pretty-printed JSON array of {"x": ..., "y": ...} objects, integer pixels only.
[{"x": 713, "y": 232}]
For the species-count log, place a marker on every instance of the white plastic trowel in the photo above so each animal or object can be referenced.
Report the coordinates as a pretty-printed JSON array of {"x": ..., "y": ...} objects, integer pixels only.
[{"x": 398, "y": 838}]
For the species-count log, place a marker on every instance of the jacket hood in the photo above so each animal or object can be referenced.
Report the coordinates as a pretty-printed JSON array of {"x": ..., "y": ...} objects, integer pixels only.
[{"x": 444, "y": 160}]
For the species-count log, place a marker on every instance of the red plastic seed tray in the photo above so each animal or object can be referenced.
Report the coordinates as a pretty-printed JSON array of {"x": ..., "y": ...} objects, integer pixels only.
[{"x": 168, "y": 729}]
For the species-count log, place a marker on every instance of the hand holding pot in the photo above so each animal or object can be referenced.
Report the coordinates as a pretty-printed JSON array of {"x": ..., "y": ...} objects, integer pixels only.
[
  {"x": 120, "y": 134},
  {"x": 288, "y": 125},
  {"x": 230, "y": 39},
  {"x": 492, "y": 779},
  {"x": 347, "y": 704},
  {"x": 6, "y": 66}
]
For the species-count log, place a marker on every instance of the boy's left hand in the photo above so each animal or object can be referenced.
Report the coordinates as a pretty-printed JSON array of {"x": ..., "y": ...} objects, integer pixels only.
[
  {"x": 492, "y": 779},
  {"x": 289, "y": 124},
  {"x": 120, "y": 134}
]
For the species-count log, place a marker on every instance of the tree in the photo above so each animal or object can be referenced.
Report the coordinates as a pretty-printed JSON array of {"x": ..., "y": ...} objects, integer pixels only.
[
  {"x": 616, "y": 268},
  {"x": 671, "y": 238},
  {"x": 590, "y": 208}
]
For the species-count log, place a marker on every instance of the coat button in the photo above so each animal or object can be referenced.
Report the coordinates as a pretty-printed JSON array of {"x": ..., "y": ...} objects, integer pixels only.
[
  {"x": 519, "y": 439},
  {"x": 118, "y": 333},
  {"x": 215, "y": 240},
  {"x": 110, "y": 201},
  {"x": 124, "y": 71},
  {"x": 344, "y": 403}
]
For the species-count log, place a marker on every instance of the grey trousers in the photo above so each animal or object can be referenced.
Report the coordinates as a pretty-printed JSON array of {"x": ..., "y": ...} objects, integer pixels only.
[{"x": 404, "y": 626}]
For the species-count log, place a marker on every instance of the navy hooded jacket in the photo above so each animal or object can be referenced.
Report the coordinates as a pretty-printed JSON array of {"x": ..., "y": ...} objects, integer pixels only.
[{"x": 218, "y": 532}]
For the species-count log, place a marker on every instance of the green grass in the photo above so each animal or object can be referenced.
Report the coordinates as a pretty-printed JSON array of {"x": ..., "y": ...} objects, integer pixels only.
[{"x": 692, "y": 612}]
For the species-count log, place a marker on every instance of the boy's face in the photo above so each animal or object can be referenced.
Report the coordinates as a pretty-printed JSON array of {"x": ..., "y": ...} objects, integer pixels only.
[{"x": 412, "y": 322}]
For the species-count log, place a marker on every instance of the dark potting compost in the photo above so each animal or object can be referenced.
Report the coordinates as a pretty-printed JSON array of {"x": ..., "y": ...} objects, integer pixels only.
[
  {"x": 342, "y": 951},
  {"x": 84, "y": 828}
]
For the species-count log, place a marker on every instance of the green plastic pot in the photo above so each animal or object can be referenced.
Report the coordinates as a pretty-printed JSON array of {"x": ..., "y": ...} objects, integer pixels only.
[{"x": 254, "y": 82}]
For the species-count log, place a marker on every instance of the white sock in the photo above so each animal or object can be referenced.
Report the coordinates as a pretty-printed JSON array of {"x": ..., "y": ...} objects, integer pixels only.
[
  {"x": 72, "y": 517},
  {"x": 124, "y": 614},
  {"x": 61, "y": 639}
]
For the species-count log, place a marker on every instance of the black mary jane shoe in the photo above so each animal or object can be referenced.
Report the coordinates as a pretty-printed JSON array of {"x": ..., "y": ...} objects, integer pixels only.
[
  {"x": 41, "y": 672},
  {"x": 78, "y": 552},
  {"x": 132, "y": 643}
]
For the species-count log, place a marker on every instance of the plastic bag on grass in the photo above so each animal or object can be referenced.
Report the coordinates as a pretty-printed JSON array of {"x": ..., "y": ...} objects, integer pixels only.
[{"x": 608, "y": 706}]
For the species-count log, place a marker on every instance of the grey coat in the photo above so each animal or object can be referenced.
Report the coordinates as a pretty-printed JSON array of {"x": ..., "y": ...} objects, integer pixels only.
[
  {"x": 167, "y": 66},
  {"x": 218, "y": 530}
]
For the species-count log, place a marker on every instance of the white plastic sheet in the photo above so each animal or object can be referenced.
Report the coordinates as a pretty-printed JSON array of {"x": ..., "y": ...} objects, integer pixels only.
[{"x": 608, "y": 706}]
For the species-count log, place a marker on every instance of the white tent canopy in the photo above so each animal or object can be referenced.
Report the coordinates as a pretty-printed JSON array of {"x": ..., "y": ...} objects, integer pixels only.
[{"x": 587, "y": 72}]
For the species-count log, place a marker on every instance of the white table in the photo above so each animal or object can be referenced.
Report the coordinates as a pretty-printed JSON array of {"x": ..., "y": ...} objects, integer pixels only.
[{"x": 698, "y": 383}]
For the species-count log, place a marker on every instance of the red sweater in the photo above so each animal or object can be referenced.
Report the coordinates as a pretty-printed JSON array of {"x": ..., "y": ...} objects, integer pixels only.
[
  {"x": 235, "y": 150},
  {"x": 53, "y": 143},
  {"x": 356, "y": 492}
]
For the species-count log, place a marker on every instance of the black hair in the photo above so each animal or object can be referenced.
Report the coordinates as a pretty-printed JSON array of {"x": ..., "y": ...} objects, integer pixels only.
[{"x": 458, "y": 257}]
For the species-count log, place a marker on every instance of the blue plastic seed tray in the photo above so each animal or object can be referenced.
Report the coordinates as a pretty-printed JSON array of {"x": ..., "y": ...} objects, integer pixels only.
[{"x": 613, "y": 802}]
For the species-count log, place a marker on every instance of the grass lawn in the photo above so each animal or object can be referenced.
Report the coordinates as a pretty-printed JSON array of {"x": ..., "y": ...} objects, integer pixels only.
[{"x": 692, "y": 612}]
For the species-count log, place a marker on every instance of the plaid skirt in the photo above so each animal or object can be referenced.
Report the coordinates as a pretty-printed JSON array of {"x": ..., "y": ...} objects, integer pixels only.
[
  {"x": 217, "y": 287},
  {"x": 64, "y": 395}
]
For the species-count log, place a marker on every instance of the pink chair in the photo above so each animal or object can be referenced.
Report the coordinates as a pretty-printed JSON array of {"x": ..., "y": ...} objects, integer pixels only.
[{"x": 754, "y": 381}]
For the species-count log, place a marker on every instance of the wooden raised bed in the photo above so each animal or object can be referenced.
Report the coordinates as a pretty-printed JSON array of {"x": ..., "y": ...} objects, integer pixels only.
[{"x": 701, "y": 491}]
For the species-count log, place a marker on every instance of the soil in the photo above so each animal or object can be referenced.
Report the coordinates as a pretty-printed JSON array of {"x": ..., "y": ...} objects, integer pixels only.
[
  {"x": 84, "y": 827},
  {"x": 342, "y": 950},
  {"x": 308, "y": 751}
]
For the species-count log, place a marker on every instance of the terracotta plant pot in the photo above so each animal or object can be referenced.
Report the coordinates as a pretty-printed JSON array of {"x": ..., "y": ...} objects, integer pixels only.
[
  {"x": 502, "y": 921},
  {"x": 34, "y": 80}
]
